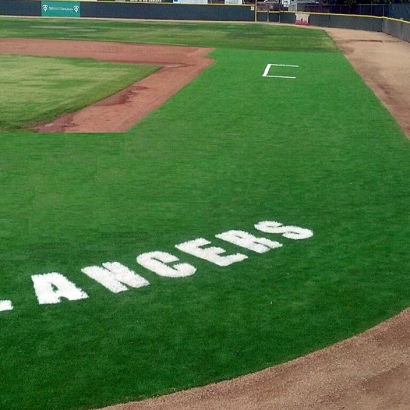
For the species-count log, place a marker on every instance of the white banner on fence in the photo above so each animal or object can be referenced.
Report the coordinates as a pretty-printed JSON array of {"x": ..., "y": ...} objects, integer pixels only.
[{"x": 302, "y": 19}]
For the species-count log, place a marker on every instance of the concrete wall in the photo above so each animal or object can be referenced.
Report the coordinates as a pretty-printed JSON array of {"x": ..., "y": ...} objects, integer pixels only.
[{"x": 397, "y": 28}]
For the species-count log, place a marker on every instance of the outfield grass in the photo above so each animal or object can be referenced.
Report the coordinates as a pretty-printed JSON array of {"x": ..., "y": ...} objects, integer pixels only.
[
  {"x": 231, "y": 35},
  {"x": 38, "y": 89},
  {"x": 229, "y": 150}
]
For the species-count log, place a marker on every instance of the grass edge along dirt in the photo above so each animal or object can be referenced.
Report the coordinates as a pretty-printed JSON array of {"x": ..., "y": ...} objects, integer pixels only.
[
  {"x": 246, "y": 36},
  {"x": 39, "y": 89},
  {"x": 320, "y": 153}
]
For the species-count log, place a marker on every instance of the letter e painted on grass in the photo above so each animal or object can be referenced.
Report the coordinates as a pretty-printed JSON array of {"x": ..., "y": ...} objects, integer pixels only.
[
  {"x": 248, "y": 241},
  {"x": 51, "y": 287},
  {"x": 156, "y": 262},
  {"x": 290, "y": 232},
  {"x": 114, "y": 276},
  {"x": 211, "y": 254},
  {"x": 5, "y": 305}
]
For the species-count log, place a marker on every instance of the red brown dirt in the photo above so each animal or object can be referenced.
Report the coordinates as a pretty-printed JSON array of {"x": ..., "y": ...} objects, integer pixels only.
[
  {"x": 367, "y": 372},
  {"x": 370, "y": 371},
  {"x": 384, "y": 64},
  {"x": 180, "y": 65}
]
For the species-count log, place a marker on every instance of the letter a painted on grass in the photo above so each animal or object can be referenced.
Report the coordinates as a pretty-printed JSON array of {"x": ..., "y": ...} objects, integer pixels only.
[
  {"x": 5, "y": 305},
  {"x": 51, "y": 287},
  {"x": 114, "y": 276}
]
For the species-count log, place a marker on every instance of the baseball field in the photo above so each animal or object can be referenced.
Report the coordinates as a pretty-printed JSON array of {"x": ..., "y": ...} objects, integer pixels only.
[{"x": 257, "y": 214}]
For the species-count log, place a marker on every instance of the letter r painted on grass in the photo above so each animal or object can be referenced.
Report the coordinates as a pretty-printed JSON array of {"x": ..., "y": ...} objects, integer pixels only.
[
  {"x": 249, "y": 241},
  {"x": 211, "y": 254}
]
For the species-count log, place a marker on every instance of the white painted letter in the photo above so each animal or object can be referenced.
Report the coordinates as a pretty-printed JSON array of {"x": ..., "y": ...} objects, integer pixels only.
[
  {"x": 51, "y": 287},
  {"x": 113, "y": 276},
  {"x": 248, "y": 241},
  {"x": 155, "y": 261},
  {"x": 291, "y": 232},
  {"x": 5, "y": 305},
  {"x": 209, "y": 254}
]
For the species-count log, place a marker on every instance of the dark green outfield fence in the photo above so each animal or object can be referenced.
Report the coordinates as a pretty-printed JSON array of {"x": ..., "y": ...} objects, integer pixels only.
[
  {"x": 166, "y": 11},
  {"x": 367, "y": 23},
  {"x": 397, "y": 27},
  {"x": 127, "y": 10}
]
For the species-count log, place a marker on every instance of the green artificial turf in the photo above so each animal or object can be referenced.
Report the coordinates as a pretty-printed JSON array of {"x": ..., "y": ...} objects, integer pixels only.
[
  {"x": 37, "y": 89},
  {"x": 229, "y": 150}
]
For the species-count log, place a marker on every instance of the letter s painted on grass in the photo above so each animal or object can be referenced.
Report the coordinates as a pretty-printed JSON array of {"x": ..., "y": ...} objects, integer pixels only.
[{"x": 290, "y": 232}]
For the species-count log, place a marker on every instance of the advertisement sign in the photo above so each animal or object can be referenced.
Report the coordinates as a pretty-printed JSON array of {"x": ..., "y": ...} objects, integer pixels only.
[
  {"x": 60, "y": 9},
  {"x": 302, "y": 19}
]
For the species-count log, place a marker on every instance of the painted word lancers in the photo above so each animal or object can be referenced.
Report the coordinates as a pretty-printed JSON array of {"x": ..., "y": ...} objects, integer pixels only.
[{"x": 52, "y": 287}]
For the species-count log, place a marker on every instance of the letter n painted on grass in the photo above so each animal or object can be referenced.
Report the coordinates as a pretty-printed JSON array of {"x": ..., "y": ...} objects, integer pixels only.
[{"x": 114, "y": 276}]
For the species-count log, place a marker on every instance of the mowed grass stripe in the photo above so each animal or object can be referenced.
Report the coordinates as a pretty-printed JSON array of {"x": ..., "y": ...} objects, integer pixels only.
[
  {"x": 229, "y": 150},
  {"x": 232, "y": 35},
  {"x": 37, "y": 89}
]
